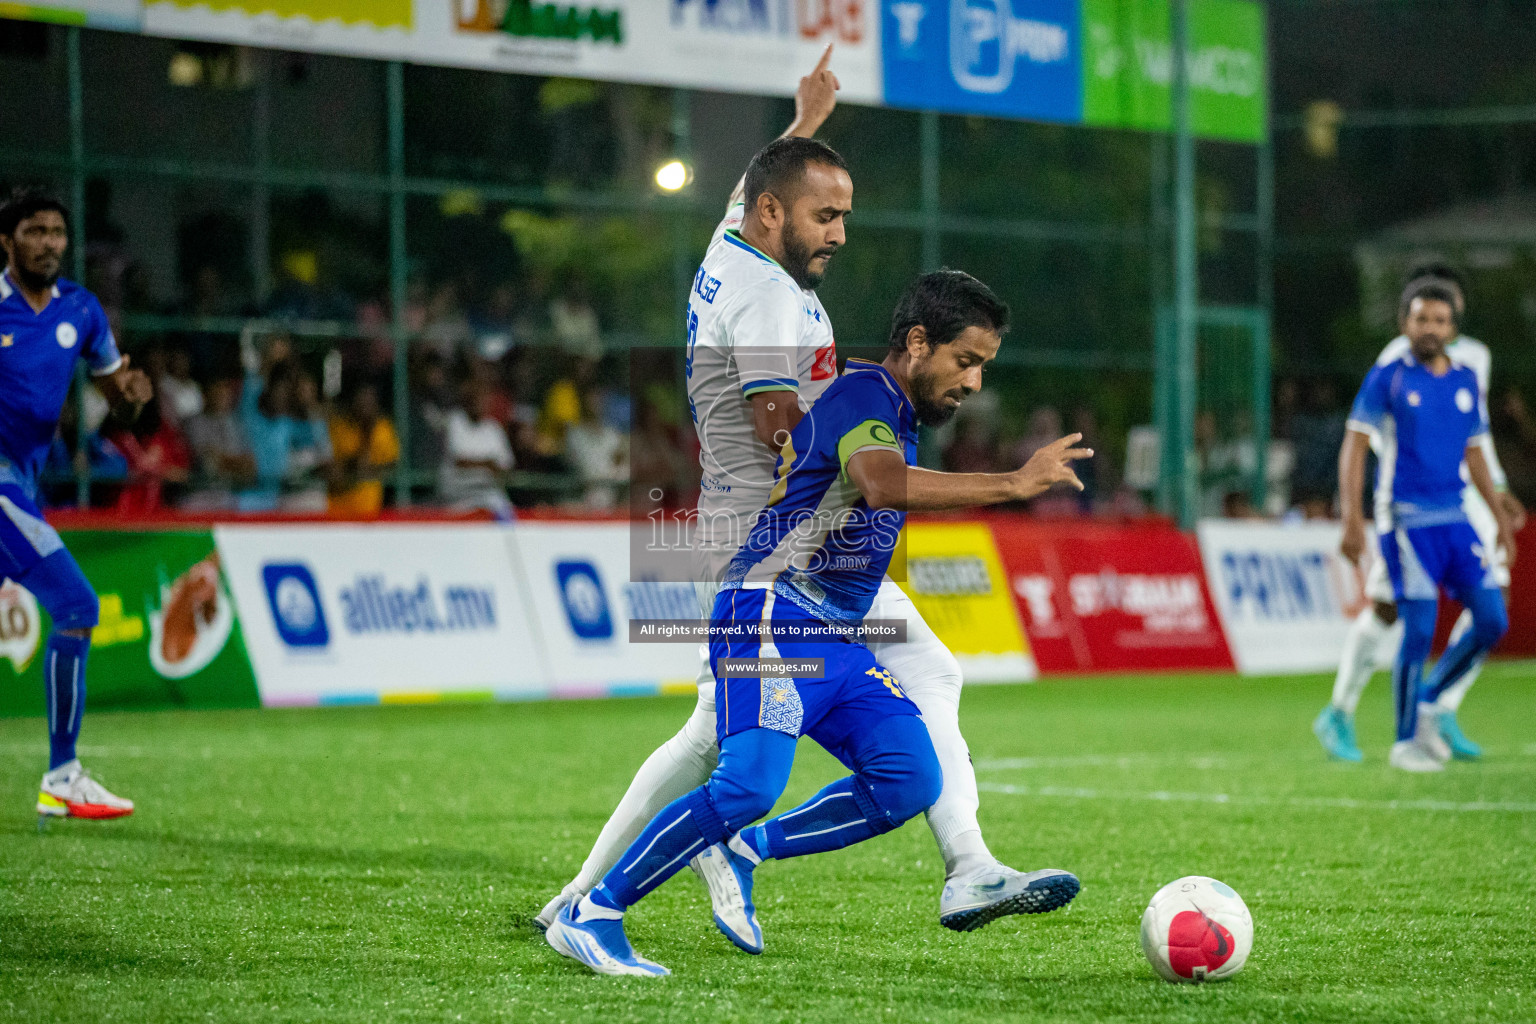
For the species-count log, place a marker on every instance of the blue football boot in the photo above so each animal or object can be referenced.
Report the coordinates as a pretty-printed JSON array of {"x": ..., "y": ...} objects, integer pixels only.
[
  {"x": 1336, "y": 732},
  {"x": 728, "y": 875},
  {"x": 600, "y": 943},
  {"x": 1462, "y": 749}
]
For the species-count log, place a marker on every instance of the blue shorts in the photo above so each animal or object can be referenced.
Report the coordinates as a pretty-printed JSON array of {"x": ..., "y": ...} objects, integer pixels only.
[
  {"x": 1422, "y": 560},
  {"x": 852, "y": 690},
  {"x": 25, "y": 539}
]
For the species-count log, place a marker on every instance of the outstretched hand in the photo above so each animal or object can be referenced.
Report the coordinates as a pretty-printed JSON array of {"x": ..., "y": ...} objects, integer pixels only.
[
  {"x": 816, "y": 97},
  {"x": 133, "y": 386},
  {"x": 1051, "y": 465}
]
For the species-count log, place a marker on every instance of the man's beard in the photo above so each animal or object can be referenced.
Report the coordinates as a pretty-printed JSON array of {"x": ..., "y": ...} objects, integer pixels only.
[
  {"x": 36, "y": 281},
  {"x": 930, "y": 412},
  {"x": 798, "y": 256}
]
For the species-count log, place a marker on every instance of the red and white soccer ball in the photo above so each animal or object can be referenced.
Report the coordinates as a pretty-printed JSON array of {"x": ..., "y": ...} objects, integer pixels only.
[{"x": 1196, "y": 929}]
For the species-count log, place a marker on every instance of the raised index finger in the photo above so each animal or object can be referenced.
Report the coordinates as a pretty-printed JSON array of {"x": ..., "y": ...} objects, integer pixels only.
[{"x": 826, "y": 57}]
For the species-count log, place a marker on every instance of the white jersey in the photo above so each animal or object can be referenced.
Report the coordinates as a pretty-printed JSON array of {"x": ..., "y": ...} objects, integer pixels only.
[
  {"x": 751, "y": 329},
  {"x": 1474, "y": 355}
]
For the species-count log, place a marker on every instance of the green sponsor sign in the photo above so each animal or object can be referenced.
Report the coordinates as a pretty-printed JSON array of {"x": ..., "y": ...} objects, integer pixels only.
[
  {"x": 1128, "y": 67},
  {"x": 168, "y": 634}
]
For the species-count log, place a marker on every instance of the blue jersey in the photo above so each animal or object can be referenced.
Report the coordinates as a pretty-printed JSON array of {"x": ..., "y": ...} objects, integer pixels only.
[
  {"x": 1424, "y": 424},
  {"x": 37, "y": 365},
  {"x": 818, "y": 544}
]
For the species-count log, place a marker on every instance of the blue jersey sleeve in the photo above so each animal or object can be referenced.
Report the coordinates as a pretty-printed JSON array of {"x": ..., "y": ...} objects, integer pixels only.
[
  {"x": 1481, "y": 427},
  {"x": 1372, "y": 404},
  {"x": 100, "y": 349}
]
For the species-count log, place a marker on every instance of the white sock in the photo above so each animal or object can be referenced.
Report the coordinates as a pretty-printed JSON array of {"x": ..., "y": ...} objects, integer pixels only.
[
  {"x": 589, "y": 910},
  {"x": 681, "y": 764},
  {"x": 1358, "y": 661},
  {"x": 953, "y": 815},
  {"x": 63, "y": 771},
  {"x": 742, "y": 848},
  {"x": 1450, "y": 698}
]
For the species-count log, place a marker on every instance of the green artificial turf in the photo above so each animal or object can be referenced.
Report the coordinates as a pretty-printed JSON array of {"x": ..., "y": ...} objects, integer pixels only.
[{"x": 381, "y": 864}]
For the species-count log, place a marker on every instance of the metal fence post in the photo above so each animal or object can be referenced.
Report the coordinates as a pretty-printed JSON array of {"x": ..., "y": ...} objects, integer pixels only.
[
  {"x": 1186, "y": 462},
  {"x": 77, "y": 242},
  {"x": 933, "y": 256},
  {"x": 398, "y": 277}
]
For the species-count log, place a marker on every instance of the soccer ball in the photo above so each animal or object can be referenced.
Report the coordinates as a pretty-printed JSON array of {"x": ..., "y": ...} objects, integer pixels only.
[{"x": 1196, "y": 929}]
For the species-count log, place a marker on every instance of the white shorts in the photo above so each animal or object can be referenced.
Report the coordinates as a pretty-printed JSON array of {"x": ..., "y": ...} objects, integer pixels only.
[
  {"x": 1378, "y": 586},
  {"x": 922, "y": 654}
]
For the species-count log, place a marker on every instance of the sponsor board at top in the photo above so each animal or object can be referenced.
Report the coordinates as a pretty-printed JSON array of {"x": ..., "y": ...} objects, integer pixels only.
[
  {"x": 754, "y": 46},
  {"x": 1013, "y": 58},
  {"x": 335, "y": 614},
  {"x": 1285, "y": 594},
  {"x": 121, "y": 15}
]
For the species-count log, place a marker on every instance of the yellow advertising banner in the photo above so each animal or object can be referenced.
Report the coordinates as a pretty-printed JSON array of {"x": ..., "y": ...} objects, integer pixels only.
[
  {"x": 377, "y": 13},
  {"x": 955, "y": 577}
]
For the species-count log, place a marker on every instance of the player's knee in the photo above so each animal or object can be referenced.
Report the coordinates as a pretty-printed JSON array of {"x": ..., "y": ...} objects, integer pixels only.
[
  {"x": 1491, "y": 625},
  {"x": 62, "y": 589},
  {"x": 740, "y": 799},
  {"x": 1386, "y": 612},
  {"x": 915, "y": 789},
  {"x": 697, "y": 737}
]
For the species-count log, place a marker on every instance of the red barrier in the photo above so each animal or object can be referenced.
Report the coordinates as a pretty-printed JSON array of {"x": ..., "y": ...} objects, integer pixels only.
[{"x": 1104, "y": 598}]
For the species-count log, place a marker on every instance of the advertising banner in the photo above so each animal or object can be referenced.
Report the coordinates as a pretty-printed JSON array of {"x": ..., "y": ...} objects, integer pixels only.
[
  {"x": 1011, "y": 58},
  {"x": 168, "y": 633},
  {"x": 122, "y": 15},
  {"x": 1285, "y": 594},
  {"x": 751, "y": 46},
  {"x": 382, "y": 613},
  {"x": 956, "y": 579},
  {"x": 1128, "y": 67},
  {"x": 583, "y": 596},
  {"x": 1104, "y": 598}
]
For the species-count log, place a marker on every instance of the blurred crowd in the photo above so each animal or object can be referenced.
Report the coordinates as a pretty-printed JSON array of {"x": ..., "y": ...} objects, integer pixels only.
[
  {"x": 263, "y": 424},
  {"x": 1301, "y": 469}
]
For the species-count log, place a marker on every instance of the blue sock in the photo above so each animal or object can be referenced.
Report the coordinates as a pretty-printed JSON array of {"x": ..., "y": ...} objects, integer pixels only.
[
  {"x": 684, "y": 827},
  {"x": 1418, "y": 617},
  {"x": 64, "y": 687},
  {"x": 1490, "y": 620},
  {"x": 840, "y": 815}
]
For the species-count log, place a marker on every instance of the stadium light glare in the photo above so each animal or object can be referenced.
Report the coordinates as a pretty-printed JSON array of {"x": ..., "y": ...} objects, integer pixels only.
[{"x": 673, "y": 176}]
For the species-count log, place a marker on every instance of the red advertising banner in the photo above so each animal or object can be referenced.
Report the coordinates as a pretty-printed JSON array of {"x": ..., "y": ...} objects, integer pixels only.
[{"x": 1108, "y": 598}]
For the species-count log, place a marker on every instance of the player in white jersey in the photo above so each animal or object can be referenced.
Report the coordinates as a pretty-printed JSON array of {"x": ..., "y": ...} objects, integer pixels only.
[
  {"x": 1334, "y": 726},
  {"x": 760, "y": 351}
]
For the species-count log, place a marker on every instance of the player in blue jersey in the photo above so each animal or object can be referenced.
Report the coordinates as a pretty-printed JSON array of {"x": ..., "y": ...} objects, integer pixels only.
[
  {"x": 46, "y": 323},
  {"x": 784, "y": 661},
  {"x": 1425, "y": 411}
]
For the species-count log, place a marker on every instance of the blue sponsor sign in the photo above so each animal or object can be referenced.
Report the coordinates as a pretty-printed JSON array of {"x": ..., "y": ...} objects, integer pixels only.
[
  {"x": 1008, "y": 58},
  {"x": 294, "y": 598},
  {"x": 585, "y": 600}
]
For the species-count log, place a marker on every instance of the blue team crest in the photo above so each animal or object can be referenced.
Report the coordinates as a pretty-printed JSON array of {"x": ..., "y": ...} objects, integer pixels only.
[{"x": 585, "y": 600}]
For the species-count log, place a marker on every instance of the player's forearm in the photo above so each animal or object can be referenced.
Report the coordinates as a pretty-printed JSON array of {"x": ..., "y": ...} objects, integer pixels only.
[
  {"x": 1495, "y": 468},
  {"x": 924, "y": 490},
  {"x": 1482, "y": 479},
  {"x": 1352, "y": 476}
]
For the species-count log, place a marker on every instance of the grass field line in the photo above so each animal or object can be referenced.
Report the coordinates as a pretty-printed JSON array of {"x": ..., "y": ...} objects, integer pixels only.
[
  {"x": 1332, "y": 803},
  {"x": 1205, "y": 762}
]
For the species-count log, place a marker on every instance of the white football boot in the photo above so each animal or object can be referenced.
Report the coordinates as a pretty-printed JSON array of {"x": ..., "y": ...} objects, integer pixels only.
[
  {"x": 68, "y": 791},
  {"x": 971, "y": 901},
  {"x": 546, "y": 917},
  {"x": 728, "y": 875},
  {"x": 1427, "y": 733},
  {"x": 1411, "y": 756}
]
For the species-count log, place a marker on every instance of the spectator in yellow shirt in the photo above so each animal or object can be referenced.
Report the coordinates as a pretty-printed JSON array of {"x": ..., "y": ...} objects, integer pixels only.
[{"x": 365, "y": 448}]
